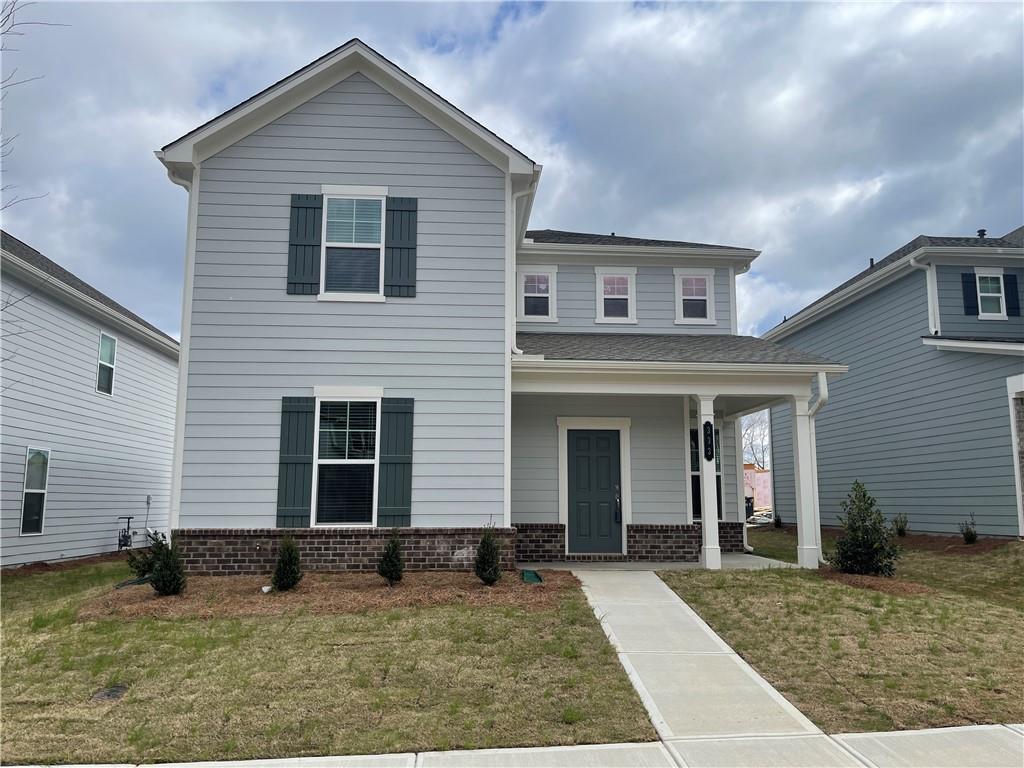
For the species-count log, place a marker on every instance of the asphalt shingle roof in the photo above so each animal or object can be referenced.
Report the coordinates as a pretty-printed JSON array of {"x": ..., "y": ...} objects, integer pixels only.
[
  {"x": 665, "y": 348},
  {"x": 1010, "y": 240},
  {"x": 559, "y": 236},
  {"x": 30, "y": 255}
]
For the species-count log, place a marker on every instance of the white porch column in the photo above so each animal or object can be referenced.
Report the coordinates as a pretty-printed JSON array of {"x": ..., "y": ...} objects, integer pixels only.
[
  {"x": 804, "y": 485},
  {"x": 711, "y": 554}
]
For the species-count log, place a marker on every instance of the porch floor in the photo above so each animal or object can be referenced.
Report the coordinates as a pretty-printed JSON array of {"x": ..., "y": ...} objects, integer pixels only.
[{"x": 730, "y": 562}]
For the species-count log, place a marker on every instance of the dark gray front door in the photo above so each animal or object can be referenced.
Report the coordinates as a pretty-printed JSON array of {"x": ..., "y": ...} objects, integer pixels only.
[{"x": 595, "y": 491}]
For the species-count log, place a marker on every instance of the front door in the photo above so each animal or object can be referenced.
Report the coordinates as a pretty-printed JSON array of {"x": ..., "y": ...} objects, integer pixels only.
[{"x": 595, "y": 491}]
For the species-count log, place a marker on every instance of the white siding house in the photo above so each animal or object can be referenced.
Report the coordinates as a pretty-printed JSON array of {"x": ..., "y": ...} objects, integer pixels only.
[{"x": 87, "y": 420}]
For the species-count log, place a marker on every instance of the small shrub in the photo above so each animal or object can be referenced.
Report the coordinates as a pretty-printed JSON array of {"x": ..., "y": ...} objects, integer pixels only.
[
  {"x": 392, "y": 564},
  {"x": 167, "y": 576},
  {"x": 488, "y": 558},
  {"x": 288, "y": 571},
  {"x": 899, "y": 524},
  {"x": 969, "y": 530},
  {"x": 140, "y": 561},
  {"x": 866, "y": 545},
  {"x": 777, "y": 519}
]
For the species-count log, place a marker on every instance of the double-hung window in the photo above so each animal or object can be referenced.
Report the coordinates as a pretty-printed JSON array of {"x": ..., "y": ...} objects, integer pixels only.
[
  {"x": 616, "y": 294},
  {"x": 352, "y": 263},
  {"x": 105, "y": 364},
  {"x": 991, "y": 298},
  {"x": 537, "y": 294},
  {"x": 695, "y": 296},
  {"x": 346, "y": 455},
  {"x": 33, "y": 499}
]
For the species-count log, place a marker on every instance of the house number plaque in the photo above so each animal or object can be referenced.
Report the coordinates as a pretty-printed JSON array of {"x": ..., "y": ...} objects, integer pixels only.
[{"x": 709, "y": 441}]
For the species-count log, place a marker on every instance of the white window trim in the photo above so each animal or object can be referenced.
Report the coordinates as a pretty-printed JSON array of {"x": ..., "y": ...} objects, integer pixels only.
[
  {"x": 99, "y": 362},
  {"x": 709, "y": 275},
  {"x": 552, "y": 274},
  {"x": 565, "y": 423},
  {"x": 353, "y": 193},
  {"x": 45, "y": 491},
  {"x": 630, "y": 274},
  {"x": 317, "y": 461},
  {"x": 980, "y": 272}
]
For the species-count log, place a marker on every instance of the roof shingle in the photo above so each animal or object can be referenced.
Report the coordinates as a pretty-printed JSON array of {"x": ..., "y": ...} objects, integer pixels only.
[{"x": 558, "y": 236}]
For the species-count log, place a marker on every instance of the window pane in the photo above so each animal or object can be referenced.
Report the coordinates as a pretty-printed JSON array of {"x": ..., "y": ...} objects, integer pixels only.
[
  {"x": 35, "y": 470},
  {"x": 989, "y": 284},
  {"x": 536, "y": 284},
  {"x": 347, "y": 430},
  {"x": 353, "y": 221},
  {"x": 535, "y": 306},
  {"x": 992, "y": 305},
  {"x": 694, "y": 286},
  {"x": 616, "y": 285},
  {"x": 107, "y": 349},
  {"x": 367, "y": 223},
  {"x": 362, "y": 415},
  {"x": 105, "y": 379},
  {"x": 361, "y": 444},
  {"x": 695, "y": 308},
  {"x": 344, "y": 493},
  {"x": 616, "y": 307},
  {"x": 32, "y": 513},
  {"x": 352, "y": 270},
  {"x": 333, "y": 430}
]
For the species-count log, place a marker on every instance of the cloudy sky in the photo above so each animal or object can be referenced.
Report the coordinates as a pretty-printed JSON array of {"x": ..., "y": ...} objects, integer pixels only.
[{"x": 822, "y": 134}]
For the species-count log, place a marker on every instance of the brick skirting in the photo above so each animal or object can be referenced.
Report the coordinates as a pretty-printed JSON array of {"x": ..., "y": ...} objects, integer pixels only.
[
  {"x": 545, "y": 542},
  {"x": 253, "y": 551},
  {"x": 540, "y": 542}
]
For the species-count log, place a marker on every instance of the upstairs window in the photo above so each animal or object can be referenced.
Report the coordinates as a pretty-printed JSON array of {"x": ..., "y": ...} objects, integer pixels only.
[
  {"x": 991, "y": 299},
  {"x": 345, "y": 480},
  {"x": 33, "y": 499},
  {"x": 353, "y": 244},
  {"x": 695, "y": 296},
  {"x": 537, "y": 294},
  {"x": 105, "y": 365},
  {"x": 616, "y": 295}
]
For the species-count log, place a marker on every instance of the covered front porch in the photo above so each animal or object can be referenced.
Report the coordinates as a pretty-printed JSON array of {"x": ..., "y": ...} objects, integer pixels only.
[{"x": 637, "y": 460}]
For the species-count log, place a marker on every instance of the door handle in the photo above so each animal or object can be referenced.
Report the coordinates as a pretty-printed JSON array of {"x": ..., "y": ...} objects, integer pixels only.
[{"x": 618, "y": 504}]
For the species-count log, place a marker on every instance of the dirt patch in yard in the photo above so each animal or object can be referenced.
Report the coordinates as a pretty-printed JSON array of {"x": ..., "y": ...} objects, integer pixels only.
[
  {"x": 30, "y": 569},
  {"x": 888, "y": 585},
  {"x": 210, "y": 597},
  {"x": 949, "y": 545}
]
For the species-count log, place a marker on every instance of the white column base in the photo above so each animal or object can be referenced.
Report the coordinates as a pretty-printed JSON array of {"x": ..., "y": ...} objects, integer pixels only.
[
  {"x": 711, "y": 558},
  {"x": 807, "y": 557}
]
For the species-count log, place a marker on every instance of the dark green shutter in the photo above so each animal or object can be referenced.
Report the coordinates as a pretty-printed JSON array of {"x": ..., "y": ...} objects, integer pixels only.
[
  {"x": 969, "y": 285},
  {"x": 304, "y": 229},
  {"x": 400, "y": 247},
  {"x": 394, "y": 491},
  {"x": 295, "y": 470},
  {"x": 1012, "y": 295}
]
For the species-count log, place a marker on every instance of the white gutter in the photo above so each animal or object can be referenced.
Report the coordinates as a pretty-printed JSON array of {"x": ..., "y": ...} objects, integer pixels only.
[
  {"x": 537, "y": 364},
  {"x": 819, "y": 403},
  {"x": 933, "y": 292}
]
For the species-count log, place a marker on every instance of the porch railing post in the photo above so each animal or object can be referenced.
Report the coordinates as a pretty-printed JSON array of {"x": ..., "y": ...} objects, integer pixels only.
[{"x": 805, "y": 485}]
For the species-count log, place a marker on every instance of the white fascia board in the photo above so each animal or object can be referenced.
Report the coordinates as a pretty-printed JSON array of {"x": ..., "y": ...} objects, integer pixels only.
[
  {"x": 984, "y": 347},
  {"x": 605, "y": 254},
  {"x": 881, "y": 278},
  {"x": 87, "y": 304},
  {"x": 627, "y": 366},
  {"x": 307, "y": 83}
]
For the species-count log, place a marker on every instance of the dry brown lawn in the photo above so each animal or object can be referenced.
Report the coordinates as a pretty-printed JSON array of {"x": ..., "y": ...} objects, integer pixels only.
[{"x": 344, "y": 665}]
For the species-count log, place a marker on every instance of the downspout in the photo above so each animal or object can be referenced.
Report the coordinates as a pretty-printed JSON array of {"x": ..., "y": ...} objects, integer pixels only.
[
  {"x": 931, "y": 292},
  {"x": 515, "y": 198},
  {"x": 819, "y": 403}
]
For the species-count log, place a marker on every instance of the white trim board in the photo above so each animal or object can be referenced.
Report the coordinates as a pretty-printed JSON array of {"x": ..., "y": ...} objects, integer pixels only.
[
  {"x": 986, "y": 347},
  {"x": 620, "y": 424}
]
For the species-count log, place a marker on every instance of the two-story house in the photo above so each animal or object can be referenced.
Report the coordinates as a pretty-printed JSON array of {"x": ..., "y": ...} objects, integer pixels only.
[
  {"x": 87, "y": 424},
  {"x": 372, "y": 338},
  {"x": 930, "y": 416}
]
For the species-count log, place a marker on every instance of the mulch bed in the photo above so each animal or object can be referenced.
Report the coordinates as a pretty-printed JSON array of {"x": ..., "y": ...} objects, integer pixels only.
[
  {"x": 886, "y": 584},
  {"x": 208, "y": 597},
  {"x": 934, "y": 542},
  {"x": 30, "y": 569}
]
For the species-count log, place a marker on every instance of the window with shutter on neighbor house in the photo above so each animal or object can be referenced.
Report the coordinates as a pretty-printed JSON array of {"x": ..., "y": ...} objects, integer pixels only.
[
  {"x": 346, "y": 456},
  {"x": 353, "y": 247},
  {"x": 991, "y": 300},
  {"x": 105, "y": 364}
]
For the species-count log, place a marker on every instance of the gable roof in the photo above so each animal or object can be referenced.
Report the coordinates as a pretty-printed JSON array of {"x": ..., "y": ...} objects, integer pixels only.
[
  {"x": 559, "y": 236},
  {"x": 314, "y": 78},
  {"x": 55, "y": 275},
  {"x": 921, "y": 242}
]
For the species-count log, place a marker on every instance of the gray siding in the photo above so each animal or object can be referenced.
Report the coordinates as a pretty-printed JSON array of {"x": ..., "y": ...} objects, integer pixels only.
[
  {"x": 951, "y": 307},
  {"x": 655, "y": 303},
  {"x": 927, "y": 431},
  {"x": 657, "y": 442},
  {"x": 251, "y": 343},
  {"x": 106, "y": 452}
]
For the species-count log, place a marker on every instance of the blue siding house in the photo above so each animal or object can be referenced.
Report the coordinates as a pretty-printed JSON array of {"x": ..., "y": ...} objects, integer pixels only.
[{"x": 930, "y": 415}]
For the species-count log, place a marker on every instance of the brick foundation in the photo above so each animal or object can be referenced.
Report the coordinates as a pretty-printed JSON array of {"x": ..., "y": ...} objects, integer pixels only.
[
  {"x": 253, "y": 551},
  {"x": 540, "y": 542},
  {"x": 545, "y": 542}
]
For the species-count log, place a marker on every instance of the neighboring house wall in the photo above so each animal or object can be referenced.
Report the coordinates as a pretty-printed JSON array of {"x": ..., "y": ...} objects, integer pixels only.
[
  {"x": 952, "y": 319},
  {"x": 657, "y": 442},
  {"x": 107, "y": 452},
  {"x": 927, "y": 431},
  {"x": 251, "y": 343},
  {"x": 576, "y": 301},
  {"x": 758, "y": 485}
]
